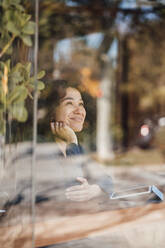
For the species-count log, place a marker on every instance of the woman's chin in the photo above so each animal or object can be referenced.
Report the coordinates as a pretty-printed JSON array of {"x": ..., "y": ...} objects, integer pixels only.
[{"x": 77, "y": 128}]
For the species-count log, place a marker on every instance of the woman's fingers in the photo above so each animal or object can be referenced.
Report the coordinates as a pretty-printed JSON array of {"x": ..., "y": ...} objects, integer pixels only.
[
  {"x": 79, "y": 198},
  {"x": 83, "y": 192},
  {"x": 61, "y": 125},
  {"x": 79, "y": 192},
  {"x": 61, "y": 130},
  {"x": 82, "y": 195},
  {"x": 57, "y": 126},
  {"x": 76, "y": 192},
  {"x": 74, "y": 188},
  {"x": 82, "y": 180}
]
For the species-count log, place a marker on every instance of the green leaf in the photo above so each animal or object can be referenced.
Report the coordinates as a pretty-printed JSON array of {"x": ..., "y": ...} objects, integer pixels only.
[
  {"x": 41, "y": 74},
  {"x": 16, "y": 77},
  {"x": 16, "y": 1},
  {"x": 19, "y": 94},
  {"x": 29, "y": 28},
  {"x": 2, "y": 96},
  {"x": 19, "y": 112},
  {"x": 24, "y": 18},
  {"x": 8, "y": 15},
  {"x": 26, "y": 39},
  {"x": 28, "y": 67},
  {"x": 19, "y": 7},
  {"x": 2, "y": 64},
  {"x": 6, "y": 3},
  {"x": 8, "y": 64},
  {"x": 27, "y": 17},
  {"x": 40, "y": 85},
  {"x": 24, "y": 71},
  {"x": 11, "y": 27},
  {"x": 18, "y": 66}
]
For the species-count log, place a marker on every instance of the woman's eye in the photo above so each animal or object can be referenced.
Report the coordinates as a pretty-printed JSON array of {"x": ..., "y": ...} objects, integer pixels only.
[
  {"x": 81, "y": 104},
  {"x": 69, "y": 103}
]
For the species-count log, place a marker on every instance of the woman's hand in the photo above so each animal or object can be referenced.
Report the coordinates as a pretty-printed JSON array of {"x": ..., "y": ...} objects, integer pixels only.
[
  {"x": 83, "y": 192},
  {"x": 63, "y": 131}
]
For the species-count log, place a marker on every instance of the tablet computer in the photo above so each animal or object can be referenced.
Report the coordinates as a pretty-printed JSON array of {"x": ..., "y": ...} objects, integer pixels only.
[{"x": 137, "y": 192}]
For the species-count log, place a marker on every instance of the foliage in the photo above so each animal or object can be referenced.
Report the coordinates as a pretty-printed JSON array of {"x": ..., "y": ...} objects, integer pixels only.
[
  {"x": 147, "y": 69},
  {"x": 16, "y": 82},
  {"x": 143, "y": 87},
  {"x": 14, "y": 22}
]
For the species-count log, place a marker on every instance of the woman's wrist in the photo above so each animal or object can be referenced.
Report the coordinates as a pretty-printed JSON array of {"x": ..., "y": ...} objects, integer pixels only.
[{"x": 72, "y": 140}]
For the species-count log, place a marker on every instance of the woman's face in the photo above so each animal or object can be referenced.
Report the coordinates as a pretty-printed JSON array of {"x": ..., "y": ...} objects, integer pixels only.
[{"x": 71, "y": 110}]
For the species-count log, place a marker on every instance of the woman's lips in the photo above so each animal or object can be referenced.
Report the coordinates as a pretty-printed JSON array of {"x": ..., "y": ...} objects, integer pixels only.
[{"x": 77, "y": 119}]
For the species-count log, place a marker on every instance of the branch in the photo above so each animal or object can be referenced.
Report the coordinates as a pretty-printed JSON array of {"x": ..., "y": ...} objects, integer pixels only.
[{"x": 7, "y": 45}]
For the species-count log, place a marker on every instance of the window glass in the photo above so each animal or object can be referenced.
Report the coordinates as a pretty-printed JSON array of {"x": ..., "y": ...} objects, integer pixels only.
[
  {"x": 112, "y": 53},
  {"x": 82, "y": 123}
]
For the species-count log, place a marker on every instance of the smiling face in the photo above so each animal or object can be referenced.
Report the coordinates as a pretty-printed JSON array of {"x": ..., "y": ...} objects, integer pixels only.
[{"x": 71, "y": 110}]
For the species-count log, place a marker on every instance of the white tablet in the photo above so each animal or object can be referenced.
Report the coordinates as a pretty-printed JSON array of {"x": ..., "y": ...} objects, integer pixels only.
[{"x": 137, "y": 191}]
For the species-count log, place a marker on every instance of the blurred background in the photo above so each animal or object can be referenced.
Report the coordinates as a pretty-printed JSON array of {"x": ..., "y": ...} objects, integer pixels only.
[{"x": 114, "y": 50}]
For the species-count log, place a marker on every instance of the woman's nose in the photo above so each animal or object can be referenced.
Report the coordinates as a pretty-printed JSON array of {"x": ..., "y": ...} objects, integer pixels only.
[{"x": 78, "y": 109}]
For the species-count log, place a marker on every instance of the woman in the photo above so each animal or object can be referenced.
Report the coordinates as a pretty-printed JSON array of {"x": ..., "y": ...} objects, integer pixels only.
[{"x": 68, "y": 119}]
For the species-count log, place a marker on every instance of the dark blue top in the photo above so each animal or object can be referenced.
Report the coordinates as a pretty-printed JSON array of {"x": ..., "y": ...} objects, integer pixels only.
[{"x": 73, "y": 149}]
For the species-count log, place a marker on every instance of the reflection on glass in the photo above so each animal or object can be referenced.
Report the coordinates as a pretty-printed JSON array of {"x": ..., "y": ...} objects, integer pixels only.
[
  {"x": 111, "y": 53},
  {"x": 101, "y": 50}
]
